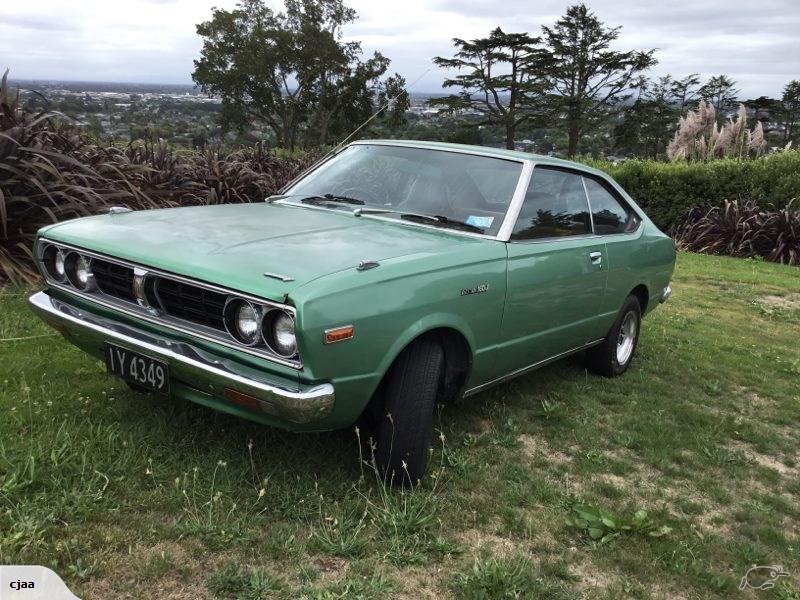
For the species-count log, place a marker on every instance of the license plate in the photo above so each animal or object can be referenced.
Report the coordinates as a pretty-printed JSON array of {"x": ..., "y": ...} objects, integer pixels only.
[{"x": 138, "y": 369}]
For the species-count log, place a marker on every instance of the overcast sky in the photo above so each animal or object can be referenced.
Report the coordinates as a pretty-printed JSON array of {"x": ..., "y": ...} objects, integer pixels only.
[{"x": 154, "y": 41}]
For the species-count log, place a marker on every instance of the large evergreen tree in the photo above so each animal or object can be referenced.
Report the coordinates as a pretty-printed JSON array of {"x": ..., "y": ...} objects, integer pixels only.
[
  {"x": 502, "y": 77},
  {"x": 790, "y": 111},
  {"x": 589, "y": 78},
  {"x": 721, "y": 92},
  {"x": 649, "y": 122}
]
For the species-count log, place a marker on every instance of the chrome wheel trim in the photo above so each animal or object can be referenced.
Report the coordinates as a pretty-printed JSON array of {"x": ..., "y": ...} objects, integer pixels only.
[{"x": 627, "y": 337}]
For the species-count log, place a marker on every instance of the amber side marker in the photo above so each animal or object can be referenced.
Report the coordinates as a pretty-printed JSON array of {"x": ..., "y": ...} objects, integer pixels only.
[
  {"x": 339, "y": 334},
  {"x": 243, "y": 399}
]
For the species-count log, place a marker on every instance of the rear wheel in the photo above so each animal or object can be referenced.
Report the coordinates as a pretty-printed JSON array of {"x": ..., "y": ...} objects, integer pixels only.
[
  {"x": 613, "y": 357},
  {"x": 401, "y": 426}
]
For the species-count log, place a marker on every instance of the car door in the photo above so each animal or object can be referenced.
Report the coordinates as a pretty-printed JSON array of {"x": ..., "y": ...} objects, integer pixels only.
[
  {"x": 556, "y": 272},
  {"x": 619, "y": 227}
]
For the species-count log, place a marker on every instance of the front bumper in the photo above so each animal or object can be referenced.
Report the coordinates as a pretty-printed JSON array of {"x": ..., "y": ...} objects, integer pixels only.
[{"x": 192, "y": 366}]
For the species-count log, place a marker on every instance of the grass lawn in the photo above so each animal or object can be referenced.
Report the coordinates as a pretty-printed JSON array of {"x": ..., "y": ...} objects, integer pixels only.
[{"x": 128, "y": 495}]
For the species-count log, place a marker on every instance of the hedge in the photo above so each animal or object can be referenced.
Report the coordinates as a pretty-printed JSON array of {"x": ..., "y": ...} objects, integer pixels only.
[{"x": 667, "y": 191}]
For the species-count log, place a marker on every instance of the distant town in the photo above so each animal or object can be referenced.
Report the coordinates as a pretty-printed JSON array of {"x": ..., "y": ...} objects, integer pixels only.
[
  {"x": 180, "y": 114},
  {"x": 185, "y": 117}
]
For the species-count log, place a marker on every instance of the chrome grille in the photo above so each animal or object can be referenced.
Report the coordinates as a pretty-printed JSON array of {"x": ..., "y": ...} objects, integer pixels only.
[
  {"x": 191, "y": 303},
  {"x": 113, "y": 279},
  {"x": 176, "y": 299}
]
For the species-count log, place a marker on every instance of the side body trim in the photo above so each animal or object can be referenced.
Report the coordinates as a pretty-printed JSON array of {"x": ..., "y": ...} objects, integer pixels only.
[{"x": 528, "y": 369}]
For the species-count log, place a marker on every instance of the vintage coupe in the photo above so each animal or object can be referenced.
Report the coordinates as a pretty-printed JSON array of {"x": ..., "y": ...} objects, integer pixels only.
[{"x": 389, "y": 277}]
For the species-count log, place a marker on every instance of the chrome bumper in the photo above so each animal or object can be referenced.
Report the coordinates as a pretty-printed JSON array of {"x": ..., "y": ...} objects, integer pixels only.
[
  {"x": 188, "y": 364},
  {"x": 665, "y": 294}
]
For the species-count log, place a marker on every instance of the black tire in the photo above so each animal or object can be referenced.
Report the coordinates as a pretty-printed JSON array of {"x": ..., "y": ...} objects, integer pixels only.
[
  {"x": 603, "y": 359},
  {"x": 403, "y": 423}
]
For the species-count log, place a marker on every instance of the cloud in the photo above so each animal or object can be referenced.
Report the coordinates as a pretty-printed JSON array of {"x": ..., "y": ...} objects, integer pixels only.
[
  {"x": 35, "y": 22},
  {"x": 155, "y": 40}
]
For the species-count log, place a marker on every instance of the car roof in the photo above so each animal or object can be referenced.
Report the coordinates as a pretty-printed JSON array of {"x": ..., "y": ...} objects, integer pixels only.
[{"x": 487, "y": 151}]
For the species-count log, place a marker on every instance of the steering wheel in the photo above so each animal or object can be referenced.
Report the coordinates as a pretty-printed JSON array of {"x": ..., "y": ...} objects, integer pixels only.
[{"x": 370, "y": 192}]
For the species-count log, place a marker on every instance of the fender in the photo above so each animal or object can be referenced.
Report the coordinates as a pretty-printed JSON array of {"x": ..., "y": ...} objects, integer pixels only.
[{"x": 427, "y": 323}]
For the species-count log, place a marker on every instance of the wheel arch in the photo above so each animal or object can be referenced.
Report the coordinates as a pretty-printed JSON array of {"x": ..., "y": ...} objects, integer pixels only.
[
  {"x": 458, "y": 347},
  {"x": 642, "y": 294}
]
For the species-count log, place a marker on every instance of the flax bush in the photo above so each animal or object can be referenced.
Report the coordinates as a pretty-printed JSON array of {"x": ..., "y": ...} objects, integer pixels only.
[{"x": 50, "y": 171}]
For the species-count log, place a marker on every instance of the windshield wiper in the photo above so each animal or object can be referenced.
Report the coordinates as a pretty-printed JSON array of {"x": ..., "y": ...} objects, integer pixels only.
[
  {"x": 442, "y": 221},
  {"x": 421, "y": 217},
  {"x": 331, "y": 198}
]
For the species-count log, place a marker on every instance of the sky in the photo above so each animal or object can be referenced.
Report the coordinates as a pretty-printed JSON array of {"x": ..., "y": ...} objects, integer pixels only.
[{"x": 154, "y": 41}]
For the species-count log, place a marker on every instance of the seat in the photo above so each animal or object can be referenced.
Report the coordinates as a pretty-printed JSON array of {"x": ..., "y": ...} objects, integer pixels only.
[{"x": 427, "y": 195}]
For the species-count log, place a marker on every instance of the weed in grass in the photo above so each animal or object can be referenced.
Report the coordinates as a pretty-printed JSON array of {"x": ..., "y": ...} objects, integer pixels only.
[
  {"x": 81, "y": 569},
  {"x": 236, "y": 582},
  {"x": 342, "y": 533},
  {"x": 404, "y": 520},
  {"x": 506, "y": 435},
  {"x": 371, "y": 587},
  {"x": 712, "y": 387},
  {"x": 156, "y": 565},
  {"x": 281, "y": 542},
  {"x": 206, "y": 507},
  {"x": 602, "y": 526},
  {"x": 495, "y": 578},
  {"x": 552, "y": 409}
]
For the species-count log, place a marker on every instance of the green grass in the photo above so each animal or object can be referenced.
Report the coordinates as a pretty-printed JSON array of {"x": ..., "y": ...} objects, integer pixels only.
[{"x": 128, "y": 495}]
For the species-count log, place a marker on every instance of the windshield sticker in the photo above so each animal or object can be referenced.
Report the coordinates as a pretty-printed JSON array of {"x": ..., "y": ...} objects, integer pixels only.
[{"x": 484, "y": 222}]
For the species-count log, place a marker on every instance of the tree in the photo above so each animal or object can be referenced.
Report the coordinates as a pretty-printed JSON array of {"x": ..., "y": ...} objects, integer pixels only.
[
  {"x": 503, "y": 79},
  {"x": 290, "y": 71},
  {"x": 764, "y": 110},
  {"x": 394, "y": 101},
  {"x": 790, "y": 111},
  {"x": 721, "y": 92},
  {"x": 684, "y": 91},
  {"x": 589, "y": 78},
  {"x": 649, "y": 121}
]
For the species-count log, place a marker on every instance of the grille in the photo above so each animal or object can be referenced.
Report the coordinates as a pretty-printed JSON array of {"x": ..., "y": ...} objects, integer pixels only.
[
  {"x": 114, "y": 280},
  {"x": 177, "y": 299},
  {"x": 191, "y": 303}
]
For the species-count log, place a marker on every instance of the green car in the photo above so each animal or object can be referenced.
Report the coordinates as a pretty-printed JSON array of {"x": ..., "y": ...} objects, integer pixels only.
[{"x": 389, "y": 277}]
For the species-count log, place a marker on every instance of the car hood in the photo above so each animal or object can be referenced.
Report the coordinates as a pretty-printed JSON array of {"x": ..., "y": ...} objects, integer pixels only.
[{"x": 234, "y": 245}]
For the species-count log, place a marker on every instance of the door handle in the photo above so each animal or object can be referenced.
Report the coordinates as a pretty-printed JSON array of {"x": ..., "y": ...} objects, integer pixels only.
[{"x": 596, "y": 257}]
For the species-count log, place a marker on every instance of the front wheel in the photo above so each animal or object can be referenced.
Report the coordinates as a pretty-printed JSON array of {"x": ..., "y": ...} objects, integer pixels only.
[
  {"x": 613, "y": 356},
  {"x": 404, "y": 422}
]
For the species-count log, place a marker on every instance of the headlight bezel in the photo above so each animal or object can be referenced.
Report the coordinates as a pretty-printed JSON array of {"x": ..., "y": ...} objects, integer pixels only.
[
  {"x": 269, "y": 332},
  {"x": 231, "y": 314},
  {"x": 50, "y": 257},
  {"x": 74, "y": 262}
]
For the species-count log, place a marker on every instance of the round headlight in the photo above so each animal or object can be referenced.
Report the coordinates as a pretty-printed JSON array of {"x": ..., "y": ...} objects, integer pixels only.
[
  {"x": 59, "y": 265},
  {"x": 79, "y": 271},
  {"x": 279, "y": 333},
  {"x": 53, "y": 260},
  {"x": 243, "y": 321}
]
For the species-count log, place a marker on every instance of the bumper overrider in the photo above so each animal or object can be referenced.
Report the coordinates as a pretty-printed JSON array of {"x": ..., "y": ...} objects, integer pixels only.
[{"x": 188, "y": 364}]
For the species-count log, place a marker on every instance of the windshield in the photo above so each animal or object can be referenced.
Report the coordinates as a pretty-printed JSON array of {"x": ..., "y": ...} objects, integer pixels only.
[{"x": 461, "y": 191}]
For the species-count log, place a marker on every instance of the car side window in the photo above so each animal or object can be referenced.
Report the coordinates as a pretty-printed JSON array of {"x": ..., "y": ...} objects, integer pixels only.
[
  {"x": 554, "y": 206},
  {"x": 609, "y": 212}
]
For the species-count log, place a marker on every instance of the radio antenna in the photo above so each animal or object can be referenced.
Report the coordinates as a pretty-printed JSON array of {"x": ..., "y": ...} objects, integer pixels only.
[
  {"x": 388, "y": 103},
  {"x": 352, "y": 133}
]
